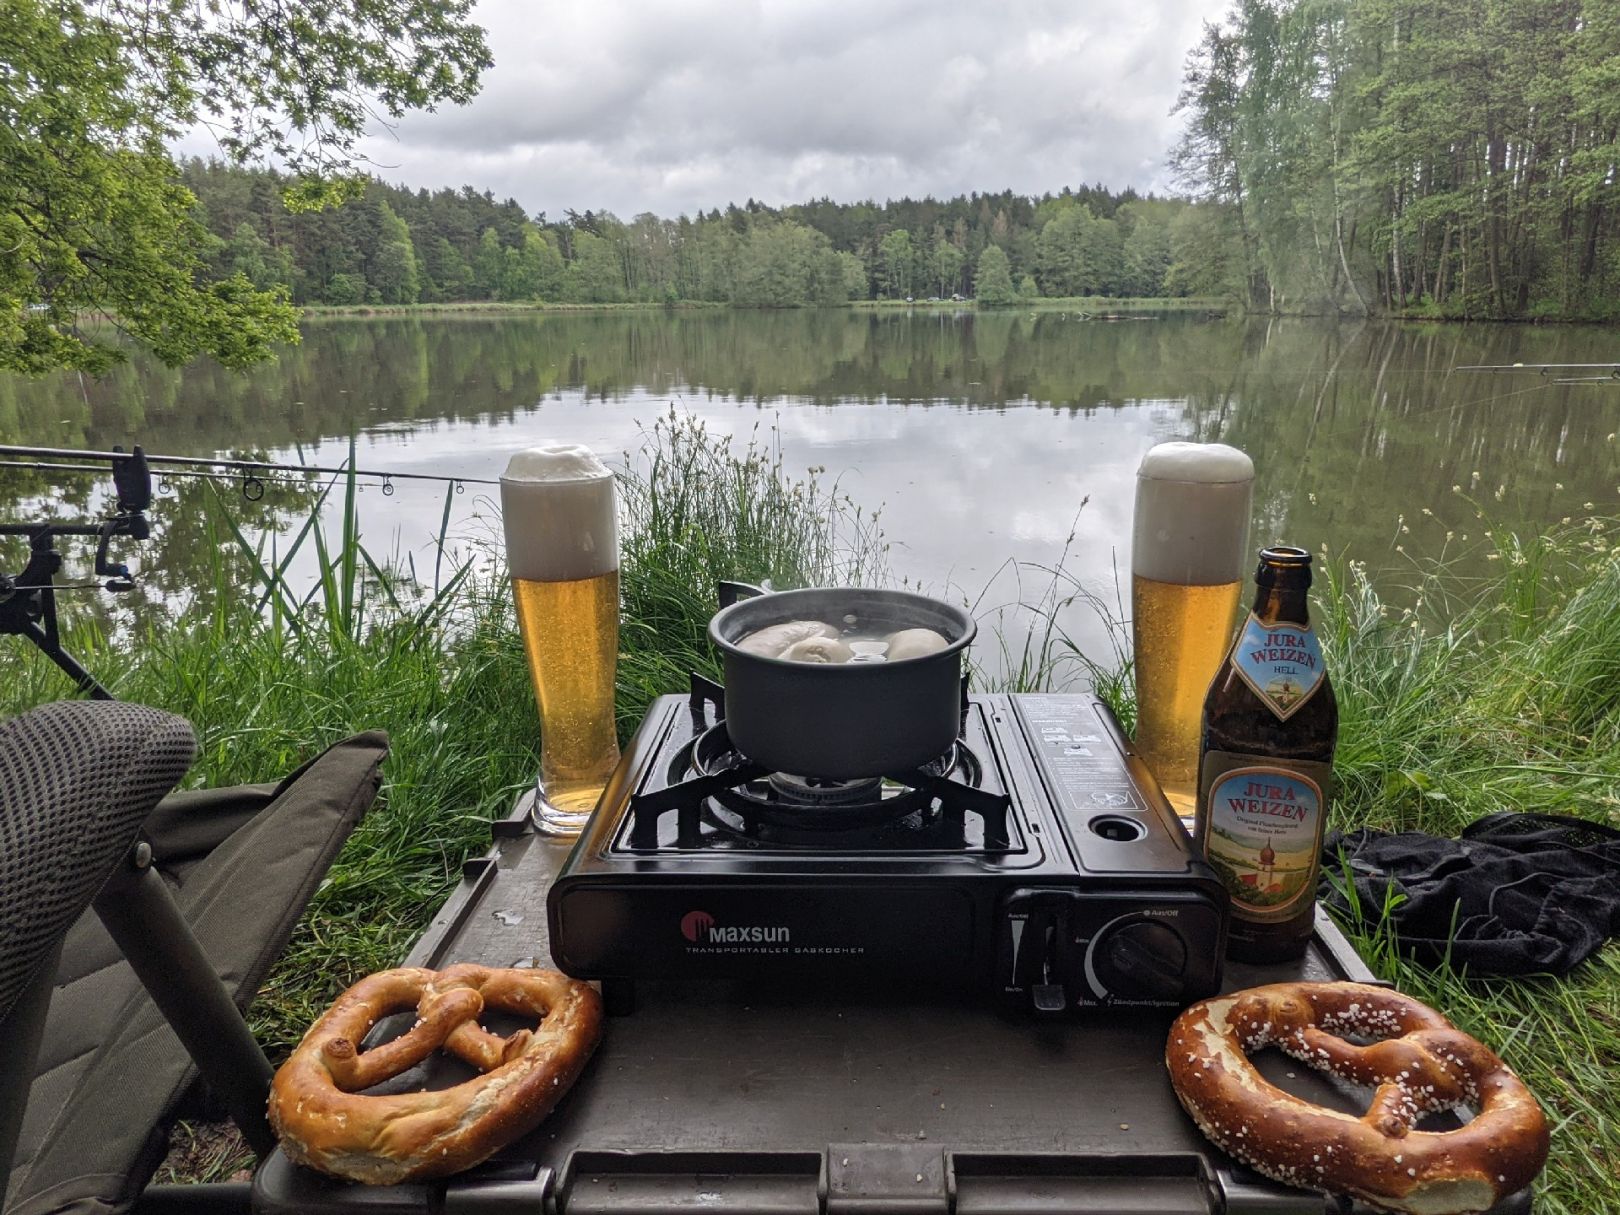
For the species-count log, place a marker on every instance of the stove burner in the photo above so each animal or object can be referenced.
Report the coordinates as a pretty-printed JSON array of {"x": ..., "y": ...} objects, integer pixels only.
[
  {"x": 712, "y": 782},
  {"x": 813, "y": 791}
]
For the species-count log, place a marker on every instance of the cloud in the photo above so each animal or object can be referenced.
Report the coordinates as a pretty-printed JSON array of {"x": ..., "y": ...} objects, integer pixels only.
[{"x": 635, "y": 106}]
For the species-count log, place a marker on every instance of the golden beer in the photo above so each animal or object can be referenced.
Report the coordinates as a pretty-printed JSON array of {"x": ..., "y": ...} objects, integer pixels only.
[
  {"x": 558, "y": 512},
  {"x": 1189, "y": 539},
  {"x": 1181, "y": 637}
]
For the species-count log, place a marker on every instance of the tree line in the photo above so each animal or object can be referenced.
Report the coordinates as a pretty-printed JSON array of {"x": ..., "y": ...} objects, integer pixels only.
[
  {"x": 1459, "y": 159},
  {"x": 393, "y": 245}
]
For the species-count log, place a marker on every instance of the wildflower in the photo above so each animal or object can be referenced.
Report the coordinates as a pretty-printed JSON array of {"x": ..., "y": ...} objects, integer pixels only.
[
  {"x": 1558, "y": 485},
  {"x": 1405, "y": 531},
  {"x": 1449, "y": 535}
]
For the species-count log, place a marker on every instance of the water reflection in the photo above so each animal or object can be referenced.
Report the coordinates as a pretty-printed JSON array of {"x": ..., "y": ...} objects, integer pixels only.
[{"x": 980, "y": 435}]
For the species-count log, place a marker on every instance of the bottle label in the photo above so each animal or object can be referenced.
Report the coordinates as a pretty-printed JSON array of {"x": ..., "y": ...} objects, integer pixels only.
[
  {"x": 1261, "y": 830},
  {"x": 1281, "y": 662}
]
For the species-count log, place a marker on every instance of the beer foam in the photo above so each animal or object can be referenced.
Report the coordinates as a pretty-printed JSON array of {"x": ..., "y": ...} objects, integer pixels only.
[
  {"x": 1196, "y": 463},
  {"x": 557, "y": 508},
  {"x": 1192, "y": 514}
]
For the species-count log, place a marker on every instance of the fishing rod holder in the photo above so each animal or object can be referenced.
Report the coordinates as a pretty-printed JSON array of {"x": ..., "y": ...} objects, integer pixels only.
[{"x": 28, "y": 598}]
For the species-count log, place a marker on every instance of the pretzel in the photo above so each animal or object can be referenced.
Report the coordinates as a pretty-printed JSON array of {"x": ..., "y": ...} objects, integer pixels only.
[
  {"x": 324, "y": 1122},
  {"x": 1417, "y": 1063}
]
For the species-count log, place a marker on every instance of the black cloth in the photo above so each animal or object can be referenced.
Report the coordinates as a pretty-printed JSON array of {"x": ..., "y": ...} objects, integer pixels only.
[{"x": 1518, "y": 894}]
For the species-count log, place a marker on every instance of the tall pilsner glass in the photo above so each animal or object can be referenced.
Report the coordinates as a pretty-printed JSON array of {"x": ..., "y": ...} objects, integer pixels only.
[
  {"x": 1188, "y": 548},
  {"x": 562, "y": 545}
]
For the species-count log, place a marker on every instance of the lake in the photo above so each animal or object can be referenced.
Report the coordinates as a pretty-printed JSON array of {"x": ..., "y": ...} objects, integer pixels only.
[{"x": 985, "y": 438}]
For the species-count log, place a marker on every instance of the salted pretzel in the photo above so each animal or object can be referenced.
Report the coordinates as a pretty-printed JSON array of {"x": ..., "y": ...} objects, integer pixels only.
[
  {"x": 323, "y": 1120},
  {"x": 1416, "y": 1063}
]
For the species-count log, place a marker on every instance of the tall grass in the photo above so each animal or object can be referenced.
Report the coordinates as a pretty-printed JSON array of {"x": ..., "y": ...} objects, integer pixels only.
[{"x": 1479, "y": 697}]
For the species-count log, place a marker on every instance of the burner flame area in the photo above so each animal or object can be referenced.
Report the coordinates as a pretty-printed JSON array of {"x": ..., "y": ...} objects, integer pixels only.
[
  {"x": 814, "y": 791},
  {"x": 722, "y": 800}
]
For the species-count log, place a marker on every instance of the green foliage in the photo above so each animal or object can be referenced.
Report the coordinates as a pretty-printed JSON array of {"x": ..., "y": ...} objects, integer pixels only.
[
  {"x": 469, "y": 246},
  {"x": 992, "y": 283},
  {"x": 94, "y": 217},
  {"x": 1399, "y": 154},
  {"x": 896, "y": 253}
]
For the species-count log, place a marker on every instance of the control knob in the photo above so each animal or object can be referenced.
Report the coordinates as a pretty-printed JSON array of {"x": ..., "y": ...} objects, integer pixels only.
[{"x": 1138, "y": 959}]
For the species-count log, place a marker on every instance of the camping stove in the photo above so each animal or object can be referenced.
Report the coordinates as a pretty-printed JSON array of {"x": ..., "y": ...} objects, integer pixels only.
[{"x": 1036, "y": 859}]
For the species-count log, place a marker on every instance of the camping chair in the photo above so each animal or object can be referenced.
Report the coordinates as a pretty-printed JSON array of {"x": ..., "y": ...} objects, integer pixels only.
[{"x": 134, "y": 928}]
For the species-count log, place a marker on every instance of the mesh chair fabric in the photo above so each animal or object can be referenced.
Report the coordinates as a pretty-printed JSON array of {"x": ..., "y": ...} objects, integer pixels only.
[{"x": 76, "y": 780}]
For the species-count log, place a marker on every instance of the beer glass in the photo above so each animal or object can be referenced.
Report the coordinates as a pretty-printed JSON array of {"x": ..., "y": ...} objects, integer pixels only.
[
  {"x": 562, "y": 545},
  {"x": 1188, "y": 548}
]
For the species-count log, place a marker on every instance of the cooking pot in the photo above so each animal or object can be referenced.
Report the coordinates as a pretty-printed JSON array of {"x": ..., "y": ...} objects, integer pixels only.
[{"x": 847, "y": 720}]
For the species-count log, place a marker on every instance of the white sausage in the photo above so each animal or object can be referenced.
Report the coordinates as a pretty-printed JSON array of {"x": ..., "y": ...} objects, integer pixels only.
[
  {"x": 914, "y": 643},
  {"x": 817, "y": 649},
  {"x": 770, "y": 642}
]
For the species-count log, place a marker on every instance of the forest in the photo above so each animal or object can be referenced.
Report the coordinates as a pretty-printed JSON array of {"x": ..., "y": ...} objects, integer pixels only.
[
  {"x": 1407, "y": 157},
  {"x": 392, "y": 245},
  {"x": 1457, "y": 159}
]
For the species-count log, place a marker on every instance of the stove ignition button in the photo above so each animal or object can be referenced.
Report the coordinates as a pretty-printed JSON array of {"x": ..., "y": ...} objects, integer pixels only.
[
  {"x": 1049, "y": 996},
  {"x": 1036, "y": 956}
]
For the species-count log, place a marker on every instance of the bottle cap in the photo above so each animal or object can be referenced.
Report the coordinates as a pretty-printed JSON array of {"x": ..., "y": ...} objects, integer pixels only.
[{"x": 1282, "y": 563}]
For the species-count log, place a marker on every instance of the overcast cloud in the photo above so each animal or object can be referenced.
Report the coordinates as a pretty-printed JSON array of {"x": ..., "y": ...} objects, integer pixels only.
[{"x": 672, "y": 106}]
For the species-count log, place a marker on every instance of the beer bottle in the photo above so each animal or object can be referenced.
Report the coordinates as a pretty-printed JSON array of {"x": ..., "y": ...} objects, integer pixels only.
[{"x": 1266, "y": 761}]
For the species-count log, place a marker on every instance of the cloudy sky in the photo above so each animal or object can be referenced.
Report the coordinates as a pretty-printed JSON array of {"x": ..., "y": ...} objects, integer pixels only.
[{"x": 675, "y": 105}]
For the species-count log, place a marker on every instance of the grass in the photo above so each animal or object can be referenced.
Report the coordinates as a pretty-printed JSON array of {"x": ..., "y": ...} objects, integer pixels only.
[
  {"x": 480, "y": 307},
  {"x": 1094, "y": 305},
  {"x": 1483, "y": 696}
]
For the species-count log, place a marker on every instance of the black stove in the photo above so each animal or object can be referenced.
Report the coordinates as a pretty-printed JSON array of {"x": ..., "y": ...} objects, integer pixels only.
[{"x": 1036, "y": 860}]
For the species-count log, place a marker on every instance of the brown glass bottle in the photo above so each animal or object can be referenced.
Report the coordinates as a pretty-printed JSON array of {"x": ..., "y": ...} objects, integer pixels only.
[{"x": 1266, "y": 763}]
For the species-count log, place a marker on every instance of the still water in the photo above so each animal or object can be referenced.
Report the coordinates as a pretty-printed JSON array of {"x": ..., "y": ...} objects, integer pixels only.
[{"x": 985, "y": 439}]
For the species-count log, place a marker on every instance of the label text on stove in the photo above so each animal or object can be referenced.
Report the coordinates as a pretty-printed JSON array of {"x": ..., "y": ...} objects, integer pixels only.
[{"x": 699, "y": 927}]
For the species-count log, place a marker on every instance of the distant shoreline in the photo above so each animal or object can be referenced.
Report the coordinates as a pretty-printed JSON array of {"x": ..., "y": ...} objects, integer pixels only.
[{"x": 1095, "y": 306}]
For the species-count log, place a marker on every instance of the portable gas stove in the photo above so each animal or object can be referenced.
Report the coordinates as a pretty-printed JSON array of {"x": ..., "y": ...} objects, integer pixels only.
[
  {"x": 737, "y": 1090},
  {"x": 1036, "y": 859}
]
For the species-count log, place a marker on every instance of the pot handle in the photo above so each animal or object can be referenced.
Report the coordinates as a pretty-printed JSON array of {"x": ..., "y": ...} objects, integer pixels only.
[{"x": 729, "y": 592}]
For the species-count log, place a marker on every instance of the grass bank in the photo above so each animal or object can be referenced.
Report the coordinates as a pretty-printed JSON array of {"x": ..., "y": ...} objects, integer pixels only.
[
  {"x": 496, "y": 307},
  {"x": 1501, "y": 695},
  {"x": 1099, "y": 306}
]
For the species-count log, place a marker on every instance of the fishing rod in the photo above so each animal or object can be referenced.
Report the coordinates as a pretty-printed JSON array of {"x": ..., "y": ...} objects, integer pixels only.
[
  {"x": 1550, "y": 368},
  {"x": 28, "y": 597},
  {"x": 74, "y": 459}
]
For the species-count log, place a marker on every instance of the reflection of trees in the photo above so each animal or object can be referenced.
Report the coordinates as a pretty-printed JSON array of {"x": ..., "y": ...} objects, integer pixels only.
[{"x": 1346, "y": 424}]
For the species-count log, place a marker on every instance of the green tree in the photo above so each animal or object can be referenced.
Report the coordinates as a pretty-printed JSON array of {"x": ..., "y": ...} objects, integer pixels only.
[
  {"x": 534, "y": 271},
  {"x": 992, "y": 284},
  {"x": 595, "y": 275},
  {"x": 250, "y": 255},
  {"x": 488, "y": 265},
  {"x": 854, "y": 275},
  {"x": 446, "y": 274},
  {"x": 393, "y": 272},
  {"x": 94, "y": 217},
  {"x": 896, "y": 254},
  {"x": 948, "y": 261}
]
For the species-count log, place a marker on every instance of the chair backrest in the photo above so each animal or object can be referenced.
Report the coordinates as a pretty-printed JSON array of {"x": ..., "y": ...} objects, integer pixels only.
[{"x": 76, "y": 781}]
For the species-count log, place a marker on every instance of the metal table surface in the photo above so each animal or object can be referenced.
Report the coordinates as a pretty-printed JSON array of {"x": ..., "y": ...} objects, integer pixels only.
[{"x": 717, "y": 1097}]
